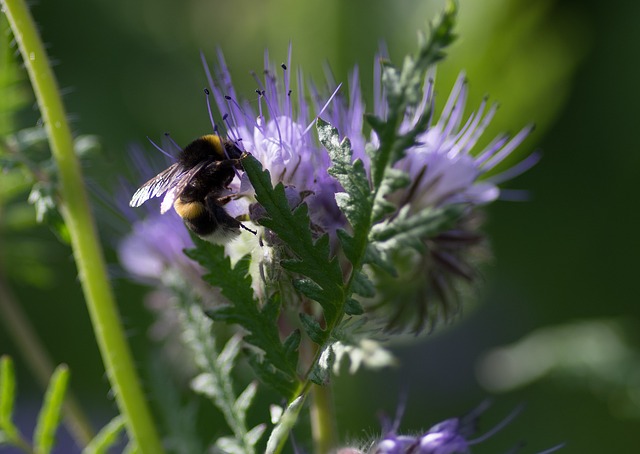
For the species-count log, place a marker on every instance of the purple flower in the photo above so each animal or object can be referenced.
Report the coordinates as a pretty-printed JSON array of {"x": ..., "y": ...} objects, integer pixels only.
[
  {"x": 451, "y": 436},
  {"x": 154, "y": 246},
  {"x": 279, "y": 134},
  {"x": 445, "y": 167}
]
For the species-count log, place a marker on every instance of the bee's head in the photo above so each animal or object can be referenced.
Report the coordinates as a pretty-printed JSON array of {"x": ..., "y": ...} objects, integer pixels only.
[
  {"x": 207, "y": 147},
  {"x": 231, "y": 150}
]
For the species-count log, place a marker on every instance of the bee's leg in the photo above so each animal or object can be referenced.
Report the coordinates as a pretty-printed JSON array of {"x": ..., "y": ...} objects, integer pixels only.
[
  {"x": 255, "y": 232},
  {"x": 245, "y": 217},
  {"x": 224, "y": 200},
  {"x": 224, "y": 221},
  {"x": 237, "y": 163}
]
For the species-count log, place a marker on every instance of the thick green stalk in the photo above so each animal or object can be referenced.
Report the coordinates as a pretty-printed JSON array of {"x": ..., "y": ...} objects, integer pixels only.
[
  {"x": 323, "y": 419},
  {"x": 86, "y": 248}
]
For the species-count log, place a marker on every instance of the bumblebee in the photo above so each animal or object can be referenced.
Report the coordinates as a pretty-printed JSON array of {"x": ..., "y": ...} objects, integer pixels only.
[{"x": 197, "y": 188}]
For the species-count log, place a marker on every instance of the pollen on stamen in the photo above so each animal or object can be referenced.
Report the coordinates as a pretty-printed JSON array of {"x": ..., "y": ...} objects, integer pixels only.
[
  {"x": 213, "y": 123},
  {"x": 173, "y": 142}
]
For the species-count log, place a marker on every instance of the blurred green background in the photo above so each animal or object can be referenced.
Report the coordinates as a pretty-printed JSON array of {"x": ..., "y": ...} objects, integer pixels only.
[{"x": 132, "y": 69}]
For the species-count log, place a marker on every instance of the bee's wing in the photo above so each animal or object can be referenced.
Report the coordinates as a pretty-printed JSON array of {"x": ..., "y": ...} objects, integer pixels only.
[
  {"x": 182, "y": 180},
  {"x": 156, "y": 186}
]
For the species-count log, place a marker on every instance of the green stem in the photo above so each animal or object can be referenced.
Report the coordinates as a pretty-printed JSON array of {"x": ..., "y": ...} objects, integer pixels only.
[
  {"x": 323, "y": 420},
  {"x": 86, "y": 248}
]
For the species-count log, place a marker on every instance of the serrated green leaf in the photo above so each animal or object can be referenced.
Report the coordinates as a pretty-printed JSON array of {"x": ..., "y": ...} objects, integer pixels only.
[
  {"x": 382, "y": 208},
  {"x": 228, "y": 355},
  {"x": 263, "y": 333},
  {"x": 349, "y": 246},
  {"x": 353, "y": 307},
  {"x": 228, "y": 445},
  {"x": 280, "y": 381},
  {"x": 215, "y": 379},
  {"x": 271, "y": 310},
  {"x": 245, "y": 398},
  {"x": 291, "y": 344},
  {"x": 377, "y": 124},
  {"x": 281, "y": 431},
  {"x": 107, "y": 436},
  {"x": 402, "y": 86},
  {"x": 254, "y": 435},
  {"x": 362, "y": 285},
  {"x": 403, "y": 89},
  {"x": 313, "y": 328},
  {"x": 234, "y": 283},
  {"x": 206, "y": 384},
  {"x": 357, "y": 203},
  {"x": 374, "y": 255},
  {"x": 357, "y": 199},
  {"x": 293, "y": 228},
  {"x": 49, "y": 416},
  {"x": 308, "y": 288},
  {"x": 392, "y": 180},
  {"x": 225, "y": 313},
  {"x": 410, "y": 230}
]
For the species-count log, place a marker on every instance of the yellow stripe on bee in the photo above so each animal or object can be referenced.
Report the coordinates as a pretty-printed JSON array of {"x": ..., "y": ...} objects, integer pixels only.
[
  {"x": 215, "y": 142},
  {"x": 188, "y": 210}
]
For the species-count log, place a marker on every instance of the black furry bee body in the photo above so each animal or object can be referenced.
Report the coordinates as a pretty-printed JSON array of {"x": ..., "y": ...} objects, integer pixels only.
[{"x": 197, "y": 188}]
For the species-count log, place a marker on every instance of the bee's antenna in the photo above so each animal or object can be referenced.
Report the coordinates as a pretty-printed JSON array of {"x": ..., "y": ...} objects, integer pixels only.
[{"x": 160, "y": 149}]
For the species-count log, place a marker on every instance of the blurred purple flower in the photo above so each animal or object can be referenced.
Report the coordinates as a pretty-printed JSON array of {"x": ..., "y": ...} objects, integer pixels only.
[
  {"x": 155, "y": 247},
  {"x": 451, "y": 436},
  {"x": 445, "y": 167},
  {"x": 152, "y": 251}
]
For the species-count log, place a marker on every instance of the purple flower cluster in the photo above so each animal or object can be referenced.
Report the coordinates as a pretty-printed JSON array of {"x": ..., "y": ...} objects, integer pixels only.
[
  {"x": 451, "y": 436},
  {"x": 444, "y": 167}
]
